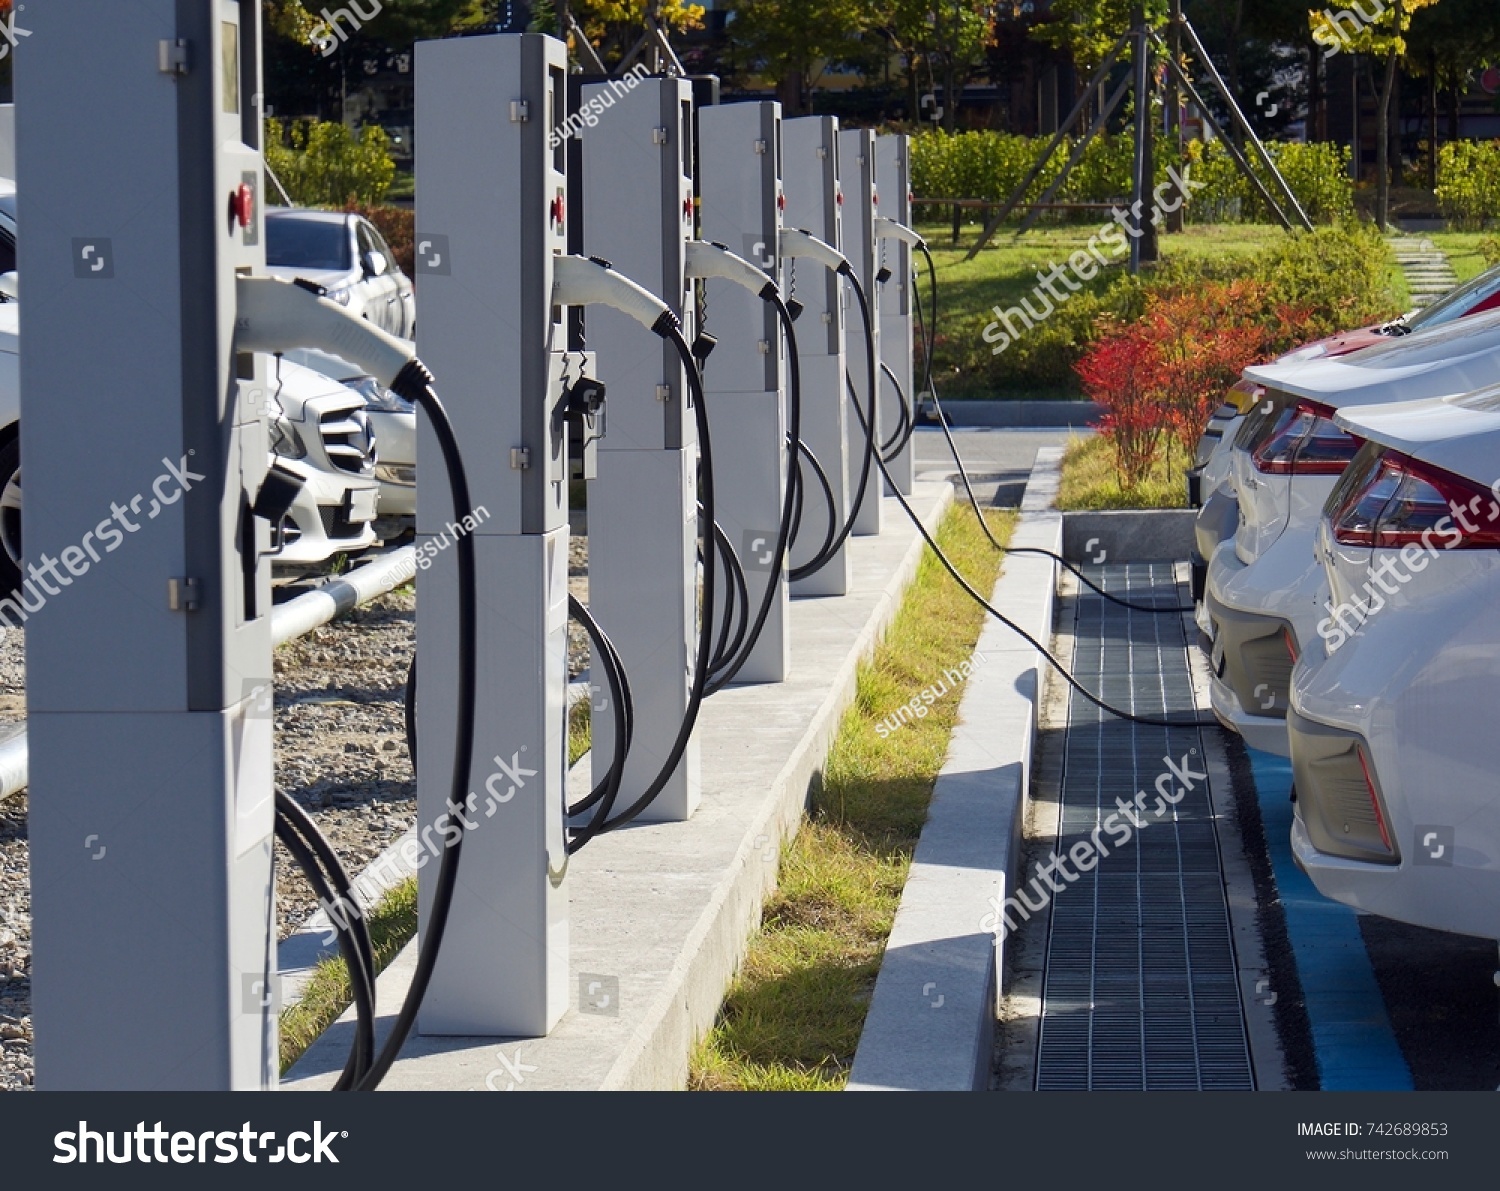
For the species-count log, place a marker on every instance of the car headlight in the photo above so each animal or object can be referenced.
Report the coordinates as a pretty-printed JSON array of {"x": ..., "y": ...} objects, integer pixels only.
[
  {"x": 285, "y": 441},
  {"x": 341, "y": 296},
  {"x": 378, "y": 397}
]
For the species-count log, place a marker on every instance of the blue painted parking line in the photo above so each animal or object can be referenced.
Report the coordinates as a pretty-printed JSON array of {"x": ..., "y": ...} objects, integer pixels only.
[{"x": 1354, "y": 1044}]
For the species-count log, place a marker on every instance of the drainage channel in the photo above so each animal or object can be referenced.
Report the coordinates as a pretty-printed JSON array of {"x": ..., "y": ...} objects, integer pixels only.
[{"x": 1140, "y": 990}]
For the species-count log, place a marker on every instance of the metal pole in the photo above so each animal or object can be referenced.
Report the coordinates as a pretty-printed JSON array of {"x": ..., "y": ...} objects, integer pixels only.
[
  {"x": 1075, "y": 157},
  {"x": 1239, "y": 116},
  {"x": 1174, "y": 110},
  {"x": 1140, "y": 180},
  {"x": 1234, "y": 150},
  {"x": 993, "y": 225}
]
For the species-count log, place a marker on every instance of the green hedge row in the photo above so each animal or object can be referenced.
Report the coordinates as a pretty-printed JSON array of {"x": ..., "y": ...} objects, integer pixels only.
[
  {"x": 990, "y": 165},
  {"x": 1468, "y": 190}
]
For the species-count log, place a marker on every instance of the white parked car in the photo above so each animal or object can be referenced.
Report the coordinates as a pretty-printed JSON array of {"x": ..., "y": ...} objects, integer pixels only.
[
  {"x": 1391, "y": 717},
  {"x": 319, "y": 430},
  {"x": 1261, "y": 602},
  {"x": 348, "y": 257},
  {"x": 394, "y": 422},
  {"x": 1208, "y": 480}
]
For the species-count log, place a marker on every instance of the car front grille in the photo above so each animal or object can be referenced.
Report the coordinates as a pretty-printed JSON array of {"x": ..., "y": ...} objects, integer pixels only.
[{"x": 349, "y": 441}]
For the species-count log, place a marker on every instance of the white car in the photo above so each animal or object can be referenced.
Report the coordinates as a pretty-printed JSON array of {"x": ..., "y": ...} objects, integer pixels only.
[
  {"x": 318, "y": 430},
  {"x": 348, "y": 257},
  {"x": 1208, "y": 479},
  {"x": 394, "y": 422},
  {"x": 1262, "y": 598},
  {"x": 1391, "y": 716}
]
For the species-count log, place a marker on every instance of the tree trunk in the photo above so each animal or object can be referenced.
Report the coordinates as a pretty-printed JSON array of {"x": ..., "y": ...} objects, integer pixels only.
[
  {"x": 1432, "y": 120},
  {"x": 1317, "y": 104},
  {"x": 1383, "y": 145},
  {"x": 789, "y": 93},
  {"x": 1455, "y": 102}
]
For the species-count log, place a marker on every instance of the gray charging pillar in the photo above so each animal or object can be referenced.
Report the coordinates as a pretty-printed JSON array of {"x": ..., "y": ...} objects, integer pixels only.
[
  {"x": 148, "y": 649},
  {"x": 857, "y": 181},
  {"x": 893, "y": 184},
  {"x": 739, "y": 188},
  {"x": 491, "y": 217},
  {"x": 811, "y": 148},
  {"x": 643, "y": 503}
]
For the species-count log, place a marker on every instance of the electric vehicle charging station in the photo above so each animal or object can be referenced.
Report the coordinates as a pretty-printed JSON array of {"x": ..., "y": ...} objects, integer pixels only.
[
  {"x": 810, "y": 145},
  {"x": 859, "y": 210},
  {"x": 893, "y": 183},
  {"x": 637, "y": 212},
  {"x": 491, "y": 221},
  {"x": 741, "y": 201},
  {"x": 157, "y": 660}
]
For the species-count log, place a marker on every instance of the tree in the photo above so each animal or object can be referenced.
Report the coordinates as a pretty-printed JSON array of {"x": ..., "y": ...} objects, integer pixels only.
[
  {"x": 1447, "y": 46},
  {"x": 951, "y": 36},
  {"x": 1382, "y": 38},
  {"x": 1088, "y": 28},
  {"x": 613, "y": 26},
  {"x": 790, "y": 41}
]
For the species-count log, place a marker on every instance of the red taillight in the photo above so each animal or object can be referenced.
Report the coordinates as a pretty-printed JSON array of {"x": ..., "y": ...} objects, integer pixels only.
[
  {"x": 1403, "y": 501},
  {"x": 1305, "y": 441},
  {"x": 1364, "y": 768},
  {"x": 1290, "y": 640}
]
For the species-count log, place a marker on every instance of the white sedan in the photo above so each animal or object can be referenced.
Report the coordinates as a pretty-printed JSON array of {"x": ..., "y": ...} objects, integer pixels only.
[
  {"x": 1391, "y": 720},
  {"x": 1262, "y": 598},
  {"x": 345, "y": 254}
]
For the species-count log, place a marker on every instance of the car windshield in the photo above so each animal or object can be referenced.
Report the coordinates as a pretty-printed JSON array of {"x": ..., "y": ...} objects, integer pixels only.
[
  {"x": 8, "y": 206},
  {"x": 1472, "y": 297},
  {"x": 306, "y": 243}
]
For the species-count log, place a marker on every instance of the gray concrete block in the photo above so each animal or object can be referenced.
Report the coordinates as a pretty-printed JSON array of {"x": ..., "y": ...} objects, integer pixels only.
[
  {"x": 932, "y": 1017},
  {"x": 1128, "y": 535}
]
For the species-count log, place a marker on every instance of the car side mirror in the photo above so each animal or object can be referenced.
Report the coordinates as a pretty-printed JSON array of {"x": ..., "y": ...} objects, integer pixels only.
[
  {"x": 10, "y": 287},
  {"x": 375, "y": 264}
]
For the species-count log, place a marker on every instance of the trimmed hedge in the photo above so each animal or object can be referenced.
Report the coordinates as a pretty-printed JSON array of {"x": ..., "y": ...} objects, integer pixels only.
[
  {"x": 990, "y": 165},
  {"x": 1468, "y": 189}
]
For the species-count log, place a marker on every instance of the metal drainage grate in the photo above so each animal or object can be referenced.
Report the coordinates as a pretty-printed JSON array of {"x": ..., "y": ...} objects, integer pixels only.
[{"x": 1140, "y": 990}]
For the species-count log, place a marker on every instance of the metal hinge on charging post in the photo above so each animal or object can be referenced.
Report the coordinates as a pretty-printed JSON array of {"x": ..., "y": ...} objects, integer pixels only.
[
  {"x": 182, "y": 595},
  {"x": 172, "y": 57},
  {"x": 520, "y": 111},
  {"x": 659, "y": 135}
]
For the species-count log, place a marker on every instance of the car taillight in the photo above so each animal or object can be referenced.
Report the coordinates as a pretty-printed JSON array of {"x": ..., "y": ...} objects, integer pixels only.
[
  {"x": 1401, "y": 501},
  {"x": 1305, "y": 441}
]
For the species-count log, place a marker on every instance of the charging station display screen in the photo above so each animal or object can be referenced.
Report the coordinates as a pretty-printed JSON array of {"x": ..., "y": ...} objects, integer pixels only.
[{"x": 231, "y": 71}]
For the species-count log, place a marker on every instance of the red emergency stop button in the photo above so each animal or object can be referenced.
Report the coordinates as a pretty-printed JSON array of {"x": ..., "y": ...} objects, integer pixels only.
[
  {"x": 687, "y": 208},
  {"x": 838, "y": 198},
  {"x": 244, "y": 205},
  {"x": 557, "y": 211},
  {"x": 875, "y": 198},
  {"x": 780, "y": 201}
]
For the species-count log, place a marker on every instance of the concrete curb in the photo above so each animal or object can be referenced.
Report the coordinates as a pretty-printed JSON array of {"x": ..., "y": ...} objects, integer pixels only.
[
  {"x": 662, "y": 913},
  {"x": 1018, "y": 414},
  {"x": 932, "y": 1017}
]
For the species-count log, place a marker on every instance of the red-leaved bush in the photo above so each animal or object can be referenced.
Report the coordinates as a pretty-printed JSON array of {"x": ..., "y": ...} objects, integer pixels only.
[{"x": 1159, "y": 378}]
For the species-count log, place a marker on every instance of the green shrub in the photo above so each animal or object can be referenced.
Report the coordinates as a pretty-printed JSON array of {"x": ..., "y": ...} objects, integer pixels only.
[
  {"x": 1468, "y": 189},
  {"x": 1313, "y": 284},
  {"x": 323, "y": 164},
  {"x": 990, "y": 165}
]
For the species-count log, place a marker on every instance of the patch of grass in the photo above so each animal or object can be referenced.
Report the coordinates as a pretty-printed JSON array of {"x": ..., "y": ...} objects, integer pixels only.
[
  {"x": 1006, "y": 270},
  {"x": 1090, "y": 480},
  {"x": 1463, "y": 251},
  {"x": 580, "y": 730},
  {"x": 792, "y": 1018},
  {"x": 393, "y": 921}
]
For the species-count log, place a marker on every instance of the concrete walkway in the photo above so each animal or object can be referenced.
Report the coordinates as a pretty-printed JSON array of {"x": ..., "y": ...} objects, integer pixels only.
[{"x": 1428, "y": 274}]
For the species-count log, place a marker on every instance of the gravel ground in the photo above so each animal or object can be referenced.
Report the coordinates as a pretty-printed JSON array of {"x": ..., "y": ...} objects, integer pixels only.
[{"x": 340, "y": 752}]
